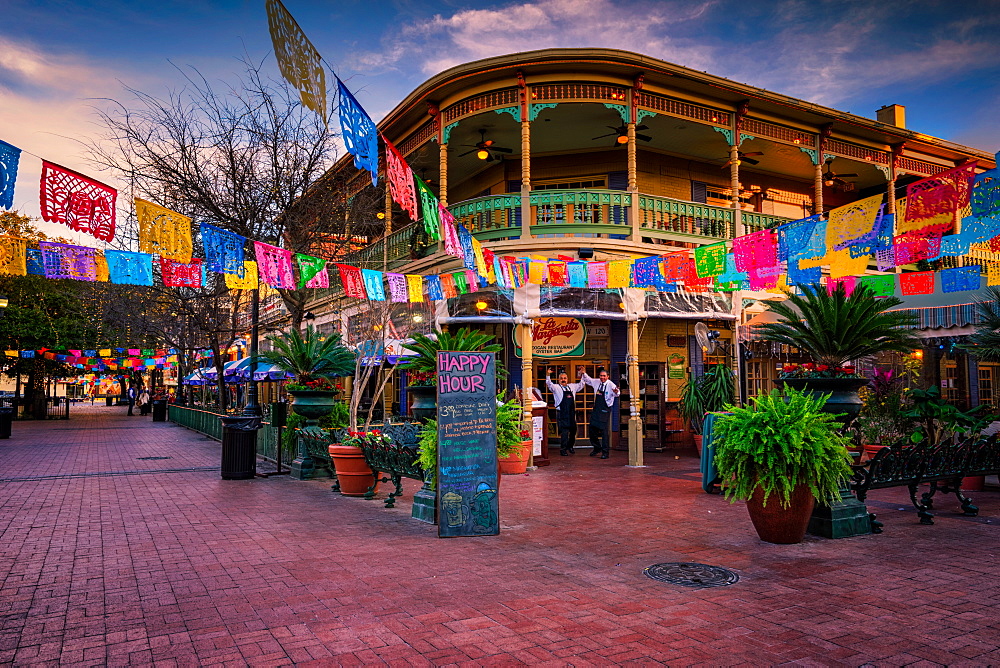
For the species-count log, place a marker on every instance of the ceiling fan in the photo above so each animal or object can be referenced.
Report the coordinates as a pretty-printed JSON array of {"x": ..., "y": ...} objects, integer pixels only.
[
  {"x": 621, "y": 134},
  {"x": 485, "y": 149},
  {"x": 744, "y": 157},
  {"x": 830, "y": 178}
]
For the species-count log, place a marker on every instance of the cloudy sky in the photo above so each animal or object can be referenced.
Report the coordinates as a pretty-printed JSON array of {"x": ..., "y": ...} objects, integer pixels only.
[{"x": 58, "y": 58}]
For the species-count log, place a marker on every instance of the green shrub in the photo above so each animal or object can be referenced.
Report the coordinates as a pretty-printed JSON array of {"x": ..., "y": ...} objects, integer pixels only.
[
  {"x": 779, "y": 442},
  {"x": 508, "y": 438}
]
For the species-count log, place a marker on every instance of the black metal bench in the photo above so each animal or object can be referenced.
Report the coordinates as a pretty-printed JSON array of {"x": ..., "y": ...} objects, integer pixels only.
[
  {"x": 396, "y": 458},
  {"x": 942, "y": 465}
]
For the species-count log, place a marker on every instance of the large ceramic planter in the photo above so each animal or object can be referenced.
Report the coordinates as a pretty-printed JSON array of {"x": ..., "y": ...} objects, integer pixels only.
[
  {"x": 312, "y": 404},
  {"x": 843, "y": 393},
  {"x": 697, "y": 438},
  {"x": 353, "y": 474},
  {"x": 775, "y": 524},
  {"x": 517, "y": 461},
  {"x": 424, "y": 406}
]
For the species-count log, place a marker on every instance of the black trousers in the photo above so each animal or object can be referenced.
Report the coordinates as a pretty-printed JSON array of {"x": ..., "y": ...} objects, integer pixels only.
[
  {"x": 600, "y": 436},
  {"x": 567, "y": 436}
]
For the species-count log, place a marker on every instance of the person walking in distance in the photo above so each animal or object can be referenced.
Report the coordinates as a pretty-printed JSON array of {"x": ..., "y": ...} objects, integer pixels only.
[
  {"x": 564, "y": 399},
  {"x": 604, "y": 399}
]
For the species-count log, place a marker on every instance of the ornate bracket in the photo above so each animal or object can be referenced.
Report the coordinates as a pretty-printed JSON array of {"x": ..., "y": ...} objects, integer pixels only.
[
  {"x": 539, "y": 107},
  {"x": 726, "y": 132},
  {"x": 745, "y": 137},
  {"x": 643, "y": 113},
  {"x": 812, "y": 153},
  {"x": 620, "y": 108},
  {"x": 885, "y": 169},
  {"x": 446, "y": 133},
  {"x": 513, "y": 111}
]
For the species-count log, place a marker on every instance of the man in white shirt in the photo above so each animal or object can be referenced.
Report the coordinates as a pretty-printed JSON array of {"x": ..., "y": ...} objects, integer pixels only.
[
  {"x": 604, "y": 400},
  {"x": 564, "y": 399}
]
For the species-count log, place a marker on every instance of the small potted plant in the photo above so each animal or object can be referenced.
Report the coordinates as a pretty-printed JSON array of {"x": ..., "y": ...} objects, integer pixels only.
[
  {"x": 422, "y": 367},
  {"x": 882, "y": 419},
  {"x": 706, "y": 394},
  {"x": 511, "y": 444},
  {"x": 836, "y": 329},
  {"x": 781, "y": 454}
]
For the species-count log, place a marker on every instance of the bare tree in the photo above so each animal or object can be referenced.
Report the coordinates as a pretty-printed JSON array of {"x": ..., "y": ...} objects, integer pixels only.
[{"x": 245, "y": 157}]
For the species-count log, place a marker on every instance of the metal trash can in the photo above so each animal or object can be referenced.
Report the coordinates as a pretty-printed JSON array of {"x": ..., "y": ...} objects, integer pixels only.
[
  {"x": 159, "y": 410},
  {"x": 109, "y": 401},
  {"x": 239, "y": 447},
  {"x": 6, "y": 420}
]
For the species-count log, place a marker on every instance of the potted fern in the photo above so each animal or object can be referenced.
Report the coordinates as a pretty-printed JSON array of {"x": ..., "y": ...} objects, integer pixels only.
[
  {"x": 836, "y": 329},
  {"x": 422, "y": 367},
  {"x": 781, "y": 454}
]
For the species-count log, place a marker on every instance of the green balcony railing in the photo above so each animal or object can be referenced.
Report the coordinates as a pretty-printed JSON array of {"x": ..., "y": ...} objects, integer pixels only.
[
  {"x": 566, "y": 212},
  {"x": 206, "y": 421},
  {"x": 662, "y": 216}
]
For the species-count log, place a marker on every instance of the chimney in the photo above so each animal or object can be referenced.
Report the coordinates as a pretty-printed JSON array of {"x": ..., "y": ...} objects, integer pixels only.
[{"x": 892, "y": 114}]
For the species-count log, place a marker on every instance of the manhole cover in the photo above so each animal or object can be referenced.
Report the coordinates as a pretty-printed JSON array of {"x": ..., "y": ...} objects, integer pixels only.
[
  {"x": 692, "y": 575},
  {"x": 149, "y": 458}
]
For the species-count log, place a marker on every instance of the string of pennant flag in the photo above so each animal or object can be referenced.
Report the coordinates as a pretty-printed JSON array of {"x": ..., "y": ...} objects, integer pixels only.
[{"x": 922, "y": 228}]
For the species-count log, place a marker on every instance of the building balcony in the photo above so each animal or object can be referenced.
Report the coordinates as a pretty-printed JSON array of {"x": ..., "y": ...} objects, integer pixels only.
[{"x": 586, "y": 216}]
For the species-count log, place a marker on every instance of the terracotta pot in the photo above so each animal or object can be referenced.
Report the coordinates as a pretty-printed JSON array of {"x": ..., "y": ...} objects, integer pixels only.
[
  {"x": 871, "y": 449},
  {"x": 697, "y": 442},
  {"x": 974, "y": 484},
  {"x": 352, "y": 472},
  {"x": 775, "y": 524},
  {"x": 516, "y": 462}
]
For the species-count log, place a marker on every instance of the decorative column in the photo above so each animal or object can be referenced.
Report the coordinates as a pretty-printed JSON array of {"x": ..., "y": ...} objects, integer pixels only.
[
  {"x": 525, "y": 159},
  {"x": 435, "y": 112},
  {"x": 635, "y": 456},
  {"x": 890, "y": 201},
  {"x": 734, "y": 166},
  {"x": 527, "y": 380},
  {"x": 387, "y": 230},
  {"x": 824, "y": 134},
  {"x": 633, "y": 177},
  {"x": 443, "y": 174}
]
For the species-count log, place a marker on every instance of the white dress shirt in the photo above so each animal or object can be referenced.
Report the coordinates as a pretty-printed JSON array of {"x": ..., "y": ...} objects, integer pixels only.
[
  {"x": 610, "y": 389},
  {"x": 557, "y": 390}
]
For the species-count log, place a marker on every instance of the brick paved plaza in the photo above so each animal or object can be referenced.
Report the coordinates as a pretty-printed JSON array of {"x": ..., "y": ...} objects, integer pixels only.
[{"x": 107, "y": 558}]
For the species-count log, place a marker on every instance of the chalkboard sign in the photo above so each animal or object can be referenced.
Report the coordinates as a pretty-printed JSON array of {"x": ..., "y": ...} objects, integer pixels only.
[{"x": 467, "y": 445}]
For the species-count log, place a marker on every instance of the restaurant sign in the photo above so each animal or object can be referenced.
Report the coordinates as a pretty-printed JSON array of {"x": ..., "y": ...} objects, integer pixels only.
[{"x": 556, "y": 337}]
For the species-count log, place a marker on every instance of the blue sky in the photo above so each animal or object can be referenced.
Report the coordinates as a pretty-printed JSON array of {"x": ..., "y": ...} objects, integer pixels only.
[{"x": 939, "y": 58}]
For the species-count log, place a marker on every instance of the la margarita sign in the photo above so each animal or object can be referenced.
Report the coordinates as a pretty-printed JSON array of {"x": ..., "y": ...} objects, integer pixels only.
[{"x": 556, "y": 337}]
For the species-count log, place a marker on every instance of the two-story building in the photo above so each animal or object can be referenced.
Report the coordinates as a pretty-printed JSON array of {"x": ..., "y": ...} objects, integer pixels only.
[{"x": 605, "y": 154}]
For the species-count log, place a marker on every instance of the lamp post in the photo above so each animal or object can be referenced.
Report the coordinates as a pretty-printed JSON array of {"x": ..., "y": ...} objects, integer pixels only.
[{"x": 239, "y": 433}]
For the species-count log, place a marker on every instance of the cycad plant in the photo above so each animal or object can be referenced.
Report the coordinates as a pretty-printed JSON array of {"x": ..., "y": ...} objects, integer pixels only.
[
  {"x": 836, "y": 328},
  {"x": 464, "y": 340},
  {"x": 311, "y": 357},
  {"x": 984, "y": 343}
]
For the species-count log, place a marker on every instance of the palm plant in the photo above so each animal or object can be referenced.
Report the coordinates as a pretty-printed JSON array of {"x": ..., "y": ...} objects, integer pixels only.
[
  {"x": 464, "y": 340},
  {"x": 706, "y": 394},
  {"x": 836, "y": 328},
  {"x": 310, "y": 356},
  {"x": 984, "y": 343}
]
